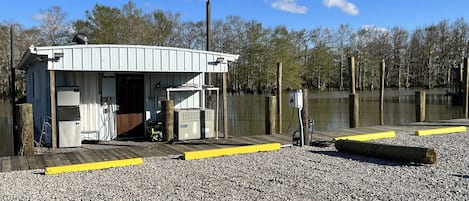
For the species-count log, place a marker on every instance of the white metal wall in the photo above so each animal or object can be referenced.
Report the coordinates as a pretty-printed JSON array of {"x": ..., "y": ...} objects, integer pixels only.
[
  {"x": 155, "y": 90},
  {"x": 130, "y": 58}
]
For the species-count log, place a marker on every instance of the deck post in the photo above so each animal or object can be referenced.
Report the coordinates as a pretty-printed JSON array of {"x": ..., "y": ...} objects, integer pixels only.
[
  {"x": 168, "y": 112},
  {"x": 279, "y": 96},
  {"x": 25, "y": 129},
  {"x": 354, "y": 103},
  {"x": 225, "y": 106},
  {"x": 420, "y": 106},
  {"x": 53, "y": 111},
  {"x": 381, "y": 93},
  {"x": 466, "y": 88},
  {"x": 270, "y": 114}
]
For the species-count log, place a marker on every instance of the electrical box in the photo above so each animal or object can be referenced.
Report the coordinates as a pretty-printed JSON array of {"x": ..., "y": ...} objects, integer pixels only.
[{"x": 295, "y": 99}]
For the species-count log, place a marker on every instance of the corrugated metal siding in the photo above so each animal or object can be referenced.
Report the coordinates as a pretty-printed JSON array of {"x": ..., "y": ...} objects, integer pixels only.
[{"x": 127, "y": 58}]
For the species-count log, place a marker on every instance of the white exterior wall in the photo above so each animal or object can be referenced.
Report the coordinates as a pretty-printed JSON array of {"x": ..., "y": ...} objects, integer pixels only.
[
  {"x": 130, "y": 58},
  {"x": 187, "y": 99},
  {"x": 84, "y": 66}
]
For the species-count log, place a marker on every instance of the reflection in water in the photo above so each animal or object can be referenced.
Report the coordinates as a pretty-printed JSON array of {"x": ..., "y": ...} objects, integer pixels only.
[{"x": 329, "y": 110}]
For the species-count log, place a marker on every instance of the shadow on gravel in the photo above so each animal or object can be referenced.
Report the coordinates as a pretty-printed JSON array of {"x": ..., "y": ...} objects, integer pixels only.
[{"x": 366, "y": 159}]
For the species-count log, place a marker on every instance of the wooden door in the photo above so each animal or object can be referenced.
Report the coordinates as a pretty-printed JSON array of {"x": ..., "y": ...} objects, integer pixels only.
[{"x": 130, "y": 100}]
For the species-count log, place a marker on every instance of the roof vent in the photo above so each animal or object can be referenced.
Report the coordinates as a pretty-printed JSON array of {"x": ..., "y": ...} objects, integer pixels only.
[{"x": 80, "y": 39}]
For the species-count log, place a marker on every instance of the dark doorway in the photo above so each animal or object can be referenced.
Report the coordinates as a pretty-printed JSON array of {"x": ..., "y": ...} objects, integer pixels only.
[{"x": 130, "y": 99}]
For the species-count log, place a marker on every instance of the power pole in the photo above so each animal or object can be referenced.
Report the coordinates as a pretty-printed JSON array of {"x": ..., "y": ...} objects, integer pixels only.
[{"x": 13, "y": 89}]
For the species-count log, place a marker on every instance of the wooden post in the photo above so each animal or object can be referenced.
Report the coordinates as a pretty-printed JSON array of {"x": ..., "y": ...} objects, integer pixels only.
[
  {"x": 354, "y": 104},
  {"x": 305, "y": 117},
  {"x": 466, "y": 88},
  {"x": 168, "y": 112},
  {"x": 420, "y": 106},
  {"x": 270, "y": 114},
  {"x": 391, "y": 152},
  {"x": 25, "y": 128},
  {"x": 13, "y": 89},
  {"x": 279, "y": 96},
  {"x": 351, "y": 61},
  {"x": 354, "y": 108},
  {"x": 381, "y": 93},
  {"x": 225, "y": 106},
  {"x": 53, "y": 112}
]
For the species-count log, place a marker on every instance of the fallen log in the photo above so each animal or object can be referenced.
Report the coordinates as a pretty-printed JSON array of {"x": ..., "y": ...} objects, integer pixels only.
[{"x": 389, "y": 152}]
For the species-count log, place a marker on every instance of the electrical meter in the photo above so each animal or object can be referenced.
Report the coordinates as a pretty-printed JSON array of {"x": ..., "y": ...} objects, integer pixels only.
[{"x": 295, "y": 99}]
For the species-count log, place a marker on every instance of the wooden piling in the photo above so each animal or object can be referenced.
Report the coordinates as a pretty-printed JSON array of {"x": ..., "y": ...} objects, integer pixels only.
[
  {"x": 168, "y": 112},
  {"x": 305, "y": 117},
  {"x": 24, "y": 119},
  {"x": 354, "y": 108},
  {"x": 270, "y": 114},
  {"x": 381, "y": 93},
  {"x": 279, "y": 96},
  {"x": 420, "y": 106},
  {"x": 351, "y": 61},
  {"x": 354, "y": 104},
  {"x": 466, "y": 88},
  {"x": 53, "y": 111},
  {"x": 391, "y": 152}
]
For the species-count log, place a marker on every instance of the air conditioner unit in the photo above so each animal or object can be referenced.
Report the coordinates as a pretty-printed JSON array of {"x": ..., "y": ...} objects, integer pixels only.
[{"x": 187, "y": 124}]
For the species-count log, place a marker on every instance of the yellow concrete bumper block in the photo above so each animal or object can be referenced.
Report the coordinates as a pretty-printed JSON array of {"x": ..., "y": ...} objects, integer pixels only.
[
  {"x": 368, "y": 136},
  {"x": 93, "y": 166},
  {"x": 437, "y": 131},
  {"x": 191, "y": 155}
]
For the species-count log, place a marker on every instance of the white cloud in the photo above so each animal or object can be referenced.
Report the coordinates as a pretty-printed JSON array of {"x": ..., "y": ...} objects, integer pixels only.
[
  {"x": 290, "y": 6},
  {"x": 374, "y": 28},
  {"x": 344, "y": 5},
  {"x": 39, "y": 16}
]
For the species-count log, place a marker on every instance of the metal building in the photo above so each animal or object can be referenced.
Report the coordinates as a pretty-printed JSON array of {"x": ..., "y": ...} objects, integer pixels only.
[{"x": 120, "y": 86}]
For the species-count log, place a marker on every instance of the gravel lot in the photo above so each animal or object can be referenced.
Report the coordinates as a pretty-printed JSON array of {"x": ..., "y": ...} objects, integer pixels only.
[{"x": 310, "y": 173}]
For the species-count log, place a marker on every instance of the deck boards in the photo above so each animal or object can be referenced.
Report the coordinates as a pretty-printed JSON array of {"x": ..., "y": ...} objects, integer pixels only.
[{"x": 128, "y": 149}]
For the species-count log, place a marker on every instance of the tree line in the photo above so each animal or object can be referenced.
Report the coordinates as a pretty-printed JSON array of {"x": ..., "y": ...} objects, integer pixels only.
[{"x": 428, "y": 56}]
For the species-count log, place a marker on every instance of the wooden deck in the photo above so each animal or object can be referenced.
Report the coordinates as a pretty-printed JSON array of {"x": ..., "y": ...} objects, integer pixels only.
[{"x": 115, "y": 150}]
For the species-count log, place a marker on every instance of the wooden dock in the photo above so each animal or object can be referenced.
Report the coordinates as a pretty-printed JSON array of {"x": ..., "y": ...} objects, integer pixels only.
[{"x": 115, "y": 150}]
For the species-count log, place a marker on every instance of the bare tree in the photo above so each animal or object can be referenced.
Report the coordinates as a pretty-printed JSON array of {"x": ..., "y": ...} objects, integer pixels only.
[{"x": 54, "y": 29}]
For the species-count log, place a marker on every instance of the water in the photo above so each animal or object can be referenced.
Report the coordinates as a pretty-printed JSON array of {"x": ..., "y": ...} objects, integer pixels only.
[{"x": 329, "y": 110}]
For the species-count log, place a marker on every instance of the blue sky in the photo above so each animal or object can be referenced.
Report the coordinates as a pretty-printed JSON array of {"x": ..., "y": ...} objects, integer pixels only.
[{"x": 295, "y": 14}]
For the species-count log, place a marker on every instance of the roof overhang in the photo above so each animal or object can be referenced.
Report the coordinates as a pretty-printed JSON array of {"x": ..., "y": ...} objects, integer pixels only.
[{"x": 127, "y": 58}]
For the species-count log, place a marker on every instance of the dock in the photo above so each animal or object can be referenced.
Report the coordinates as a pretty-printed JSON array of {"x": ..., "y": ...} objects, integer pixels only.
[{"x": 116, "y": 150}]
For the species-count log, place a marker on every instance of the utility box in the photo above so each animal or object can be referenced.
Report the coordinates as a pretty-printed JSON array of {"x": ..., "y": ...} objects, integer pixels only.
[{"x": 295, "y": 99}]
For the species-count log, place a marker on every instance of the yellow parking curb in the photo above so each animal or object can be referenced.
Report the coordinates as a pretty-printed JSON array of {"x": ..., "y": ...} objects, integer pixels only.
[
  {"x": 368, "y": 136},
  {"x": 191, "y": 155},
  {"x": 92, "y": 166},
  {"x": 437, "y": 131}
]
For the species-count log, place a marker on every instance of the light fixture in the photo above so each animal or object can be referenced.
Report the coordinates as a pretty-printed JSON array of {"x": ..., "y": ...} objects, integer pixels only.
[{"x": 220, "y": 59}]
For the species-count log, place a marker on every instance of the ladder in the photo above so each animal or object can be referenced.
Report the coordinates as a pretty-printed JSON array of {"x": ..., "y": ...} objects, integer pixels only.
[{"x": 46, "y": 126}]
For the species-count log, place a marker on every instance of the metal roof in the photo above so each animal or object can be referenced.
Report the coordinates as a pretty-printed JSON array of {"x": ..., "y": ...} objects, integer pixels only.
[{"x": 127, "y": 58}]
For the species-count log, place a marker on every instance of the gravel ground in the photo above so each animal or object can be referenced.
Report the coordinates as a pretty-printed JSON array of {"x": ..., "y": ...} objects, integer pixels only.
[{"x": 294, "y": 173}]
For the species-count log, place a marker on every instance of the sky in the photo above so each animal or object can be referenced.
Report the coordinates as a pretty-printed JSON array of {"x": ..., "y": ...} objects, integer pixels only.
[{"x": 295, "y": 14}]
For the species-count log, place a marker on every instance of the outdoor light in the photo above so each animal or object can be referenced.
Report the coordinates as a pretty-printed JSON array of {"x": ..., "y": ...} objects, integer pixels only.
[{"x": 220, "y": 59}]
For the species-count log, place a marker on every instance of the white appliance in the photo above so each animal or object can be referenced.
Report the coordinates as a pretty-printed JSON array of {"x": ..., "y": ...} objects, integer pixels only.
[
  {"x": 187, "y": 124},
  {"x": 68, "y": 116}
]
